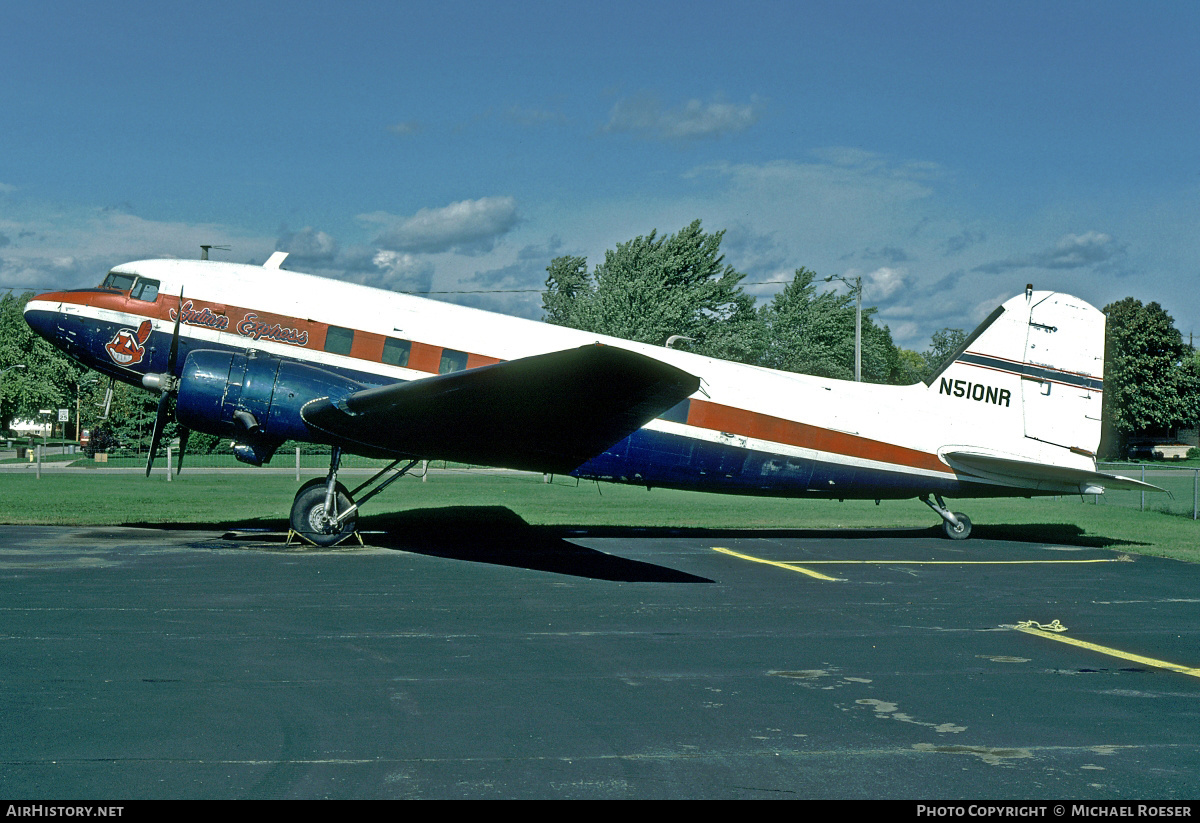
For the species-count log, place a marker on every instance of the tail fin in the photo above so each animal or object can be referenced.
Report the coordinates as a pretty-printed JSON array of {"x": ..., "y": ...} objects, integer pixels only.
[{"x": 1044, "y": 352}]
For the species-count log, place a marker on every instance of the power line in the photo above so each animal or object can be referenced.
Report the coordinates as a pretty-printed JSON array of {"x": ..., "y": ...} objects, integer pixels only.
[
  {"x": 540, "y": 291},
  {"x": 406, "y": 291}
]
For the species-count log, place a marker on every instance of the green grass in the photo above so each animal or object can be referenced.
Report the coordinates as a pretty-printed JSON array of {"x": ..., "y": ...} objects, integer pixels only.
[{"x": 253, "y": 499}]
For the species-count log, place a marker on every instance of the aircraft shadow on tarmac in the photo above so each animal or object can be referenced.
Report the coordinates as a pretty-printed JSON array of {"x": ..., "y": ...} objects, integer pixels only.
[
  {"x": 499, "y": 536},
  {"x": 483, "y": 534}
]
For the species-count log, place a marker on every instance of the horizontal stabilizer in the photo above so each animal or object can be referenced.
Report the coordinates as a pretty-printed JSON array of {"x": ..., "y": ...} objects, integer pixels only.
[
  {"x": 548, "y": 413},
  {"x": 1041, "y": 475}
]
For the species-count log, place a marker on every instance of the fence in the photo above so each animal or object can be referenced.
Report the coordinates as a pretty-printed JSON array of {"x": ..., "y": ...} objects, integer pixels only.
[
  {"x": 1182, "y": 484},
  {"x": 308, "y": 460}
]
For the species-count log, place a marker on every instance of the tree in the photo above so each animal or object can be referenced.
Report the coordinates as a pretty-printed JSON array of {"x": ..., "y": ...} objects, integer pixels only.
[
  {"x": 910, "y": 367},
  {"x": 1151, "y": 379},
  {"x": 49, "y": 378},
  {"x": 564, "y": 300},
  {"x": 813, "y": 333},
  {"x": 943, "y": 345},
  {"x": 651, "y": 288}
]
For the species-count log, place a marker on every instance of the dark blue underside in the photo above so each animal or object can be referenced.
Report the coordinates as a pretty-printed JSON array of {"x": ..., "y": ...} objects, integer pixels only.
[
  {"x": 661, "y": 459},
  {"x": 645, "y": 458}
]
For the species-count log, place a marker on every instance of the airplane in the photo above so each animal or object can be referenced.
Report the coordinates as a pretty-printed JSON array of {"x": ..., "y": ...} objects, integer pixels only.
[{"x": 263, "y": 355}]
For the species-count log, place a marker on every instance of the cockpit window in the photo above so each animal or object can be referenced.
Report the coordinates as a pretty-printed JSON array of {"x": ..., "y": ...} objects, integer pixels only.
[
  {"x": 118, "y": 280},
  {"x": 145, "y": 290}
]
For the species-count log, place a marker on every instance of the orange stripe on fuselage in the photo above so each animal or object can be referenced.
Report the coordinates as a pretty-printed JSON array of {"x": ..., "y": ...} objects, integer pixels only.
[
  {"x": 367, "y": 346},
  {"x": 708, "y": 415}
]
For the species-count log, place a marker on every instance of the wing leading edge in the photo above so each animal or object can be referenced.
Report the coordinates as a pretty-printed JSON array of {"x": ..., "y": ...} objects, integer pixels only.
[
  {"x": 549, "y": 413},
  {"x": 1041, "y": 475}
]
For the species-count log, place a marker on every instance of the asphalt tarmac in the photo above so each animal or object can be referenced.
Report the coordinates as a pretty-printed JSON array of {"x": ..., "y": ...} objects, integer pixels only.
[{"x": 479, "y": 657}]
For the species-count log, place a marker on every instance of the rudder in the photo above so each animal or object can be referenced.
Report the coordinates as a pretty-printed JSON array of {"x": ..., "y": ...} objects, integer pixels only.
[{"x": 1041, "y": 350}]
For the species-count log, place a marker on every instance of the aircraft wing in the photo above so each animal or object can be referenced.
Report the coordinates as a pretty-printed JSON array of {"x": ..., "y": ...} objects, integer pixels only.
[
  {"x": 1041, "y": 475},
  {"x": 549, "y": 413}
]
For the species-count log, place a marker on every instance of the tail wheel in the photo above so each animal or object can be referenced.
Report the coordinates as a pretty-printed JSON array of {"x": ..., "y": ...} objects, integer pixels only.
[
  {"x": 309, "y": 519},
  {"x": 960, "y": 532}
]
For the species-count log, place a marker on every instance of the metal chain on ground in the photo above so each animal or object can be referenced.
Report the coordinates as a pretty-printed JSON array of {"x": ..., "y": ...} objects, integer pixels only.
[{"x": 1052, "y": 626}]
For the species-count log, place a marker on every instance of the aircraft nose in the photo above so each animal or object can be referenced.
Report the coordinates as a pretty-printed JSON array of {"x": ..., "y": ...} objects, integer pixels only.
[{"x": 40, "y": 315}]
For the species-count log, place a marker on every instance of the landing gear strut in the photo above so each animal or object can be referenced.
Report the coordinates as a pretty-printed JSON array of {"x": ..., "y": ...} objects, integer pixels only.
[
  {"x": 956, "y": 524},
  {"x": 324, "y": 513}
]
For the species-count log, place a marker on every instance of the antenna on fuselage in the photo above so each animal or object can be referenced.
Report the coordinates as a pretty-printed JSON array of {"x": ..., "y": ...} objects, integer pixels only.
[{"x": 204, "y": 250}]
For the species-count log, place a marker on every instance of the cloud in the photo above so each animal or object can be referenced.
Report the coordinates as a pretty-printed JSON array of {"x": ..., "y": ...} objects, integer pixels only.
[
  {"x": 60, "y": 247},
  {"x": 694, "y": 120},
  {"x": 393, "y": 270},
  {"x": 1073, "y": 251},
  {"x": 514, "y": 289},
  {"x": 307, "y": 246},
  {"x": 878, "y": 285},
  {"x": 529, "y": 116},
  {"x": 407, "y": 128},
  {"x": 849, "y": 157},
  {"x": 541, "y": 253},
  {"x": 964, "y": 240},
  {"x": 826, "y": 189},
  {"x": 889, "y": 254},
  {"x": 759, "y": 256},
  {"x": 1077, "y": 250},
  {"x": 884, "y": 282},
  {"x": 7, "y": 188},
  {"x": 468, "y": 227}
]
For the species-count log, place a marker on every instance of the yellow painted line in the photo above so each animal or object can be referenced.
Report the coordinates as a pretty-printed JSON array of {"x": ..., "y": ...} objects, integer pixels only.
[
  {"x": 1136, "y": 658},
  {"x": 793, "y": 565},
  {"x": 787, "y": 566},
  {"x": 954, "y": 562}
]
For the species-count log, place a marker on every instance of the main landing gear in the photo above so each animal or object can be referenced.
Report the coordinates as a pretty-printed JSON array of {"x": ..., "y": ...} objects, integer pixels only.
[
  {"x": 956, "y": 524},
  {"x": 324, "y": 513}
]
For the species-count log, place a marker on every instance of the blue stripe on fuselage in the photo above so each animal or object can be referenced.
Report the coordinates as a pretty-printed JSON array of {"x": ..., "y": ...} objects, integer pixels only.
[{"x": 667, "y": 460}]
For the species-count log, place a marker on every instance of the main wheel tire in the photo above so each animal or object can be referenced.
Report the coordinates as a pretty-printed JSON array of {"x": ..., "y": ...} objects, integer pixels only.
[
  {"x": 960, "y": 532},
  {"x": 308, "y": 511}
]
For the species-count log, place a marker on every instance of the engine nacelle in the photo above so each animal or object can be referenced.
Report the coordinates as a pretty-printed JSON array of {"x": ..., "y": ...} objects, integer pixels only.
[{"x": 253, "y": 398}]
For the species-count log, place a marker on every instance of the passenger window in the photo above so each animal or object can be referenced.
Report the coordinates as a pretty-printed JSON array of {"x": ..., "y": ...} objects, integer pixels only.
[
  {"x": 145, "y": 290},
  {"x": 339, "y": 340},
  {"x": 395, "y": 352},
  {"x": 452, "y": 361},
  {"x": 118, "y": 280}
]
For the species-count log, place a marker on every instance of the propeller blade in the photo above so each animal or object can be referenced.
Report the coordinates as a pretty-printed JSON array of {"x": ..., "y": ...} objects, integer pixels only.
[
  {"x": 175, "y": 337},
  {"x": 184, "y": 433},
  {"x": 160, "y": 419},
  {"x": 160, "y": 422}
]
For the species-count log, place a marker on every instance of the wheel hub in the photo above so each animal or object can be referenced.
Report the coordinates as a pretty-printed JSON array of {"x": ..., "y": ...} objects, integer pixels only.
[{"x": 318, "y": 521}]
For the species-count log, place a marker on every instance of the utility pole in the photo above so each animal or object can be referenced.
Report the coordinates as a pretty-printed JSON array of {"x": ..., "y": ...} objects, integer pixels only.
[{"x": 857, "y": 287}]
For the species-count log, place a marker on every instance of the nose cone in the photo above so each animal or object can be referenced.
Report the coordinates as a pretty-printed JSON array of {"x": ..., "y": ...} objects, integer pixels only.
[{"x": 40, "y": 314}]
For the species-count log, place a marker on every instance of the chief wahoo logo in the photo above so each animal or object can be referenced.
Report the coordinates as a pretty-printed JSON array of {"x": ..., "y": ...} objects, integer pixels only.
[{"x": 126, "y": 347}]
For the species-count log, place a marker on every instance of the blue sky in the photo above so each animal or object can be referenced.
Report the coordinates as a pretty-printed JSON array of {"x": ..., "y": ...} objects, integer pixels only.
[{"x": 946, "y": 152}]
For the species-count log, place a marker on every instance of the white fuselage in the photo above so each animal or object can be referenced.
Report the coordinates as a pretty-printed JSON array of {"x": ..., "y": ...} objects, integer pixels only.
[{"x": 863, "y": 432}]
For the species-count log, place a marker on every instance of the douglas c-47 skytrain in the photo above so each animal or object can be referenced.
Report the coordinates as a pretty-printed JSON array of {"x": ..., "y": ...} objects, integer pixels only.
[{"x": 262, "y": 355}]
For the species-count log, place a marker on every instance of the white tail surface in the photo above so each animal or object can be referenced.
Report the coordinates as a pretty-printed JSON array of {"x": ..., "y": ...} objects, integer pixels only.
[
  {"x": 1041, "y": 351},
  {"x": 1062, "y": 399}
]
